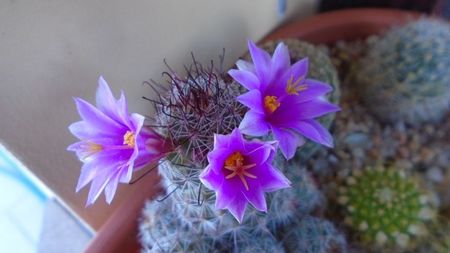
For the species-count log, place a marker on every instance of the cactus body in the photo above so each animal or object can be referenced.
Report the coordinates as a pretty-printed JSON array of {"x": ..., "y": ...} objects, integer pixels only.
[
  {"x": 186, "y": 219},
  {"x": 313, "y": 235},
  {"x": 385, "y": 207},
  {"x": 404, "y": 76},
  {"x": 293, "y": 203}
]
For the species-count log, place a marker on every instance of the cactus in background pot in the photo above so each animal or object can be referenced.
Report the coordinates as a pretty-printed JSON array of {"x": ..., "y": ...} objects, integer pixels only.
[
  {"x": 320, "y": 68},
  {"x": 386, "y": 207},
  {"x": 313, "y": 235},
  {"x": 404, "y": 76}
]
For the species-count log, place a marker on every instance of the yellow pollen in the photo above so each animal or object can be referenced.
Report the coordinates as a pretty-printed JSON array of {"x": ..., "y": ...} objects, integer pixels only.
[
  {"x": 128, "y": 139},
  {"x": 235, "y": 163},
  {"x": 271, "y": 103},
  {"x": 293, "y": 88},
  {"x": 94, "y": 147}
]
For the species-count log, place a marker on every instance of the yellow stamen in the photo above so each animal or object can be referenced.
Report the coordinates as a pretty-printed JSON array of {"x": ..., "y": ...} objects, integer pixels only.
[
  {"x": 128, "y": 139},
  {"x": 94, "y": 147},
  {"x": 235, "y": 163},
  {"x": 271, "y": 103},
  {"x": 293, "y": 88}
]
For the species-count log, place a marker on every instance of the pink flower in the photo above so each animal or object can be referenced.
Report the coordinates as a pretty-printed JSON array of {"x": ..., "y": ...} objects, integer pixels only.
[
  {"x": 241, "y": 171},
  {"x": 112, "y": 143},
  {"x": 282, "y": 100}
]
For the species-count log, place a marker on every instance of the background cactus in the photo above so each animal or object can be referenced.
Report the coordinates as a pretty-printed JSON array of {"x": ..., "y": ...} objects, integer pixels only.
[
  {"x": 404, "y": 76},
  {"x": 320, "y": 68},
  {"x": 313, "y": 235},
  {"x": 293, "y": 203},
  {"x": 385, "y": 207},
  {"x": 439, "y": 239}
]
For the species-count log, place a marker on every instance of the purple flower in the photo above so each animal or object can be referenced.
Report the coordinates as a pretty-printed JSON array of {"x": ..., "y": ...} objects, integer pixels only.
[
  {"x": 282, "y": 100},
  {"x": 240, "y": 171},
  {"x": 112, "y": 143}
]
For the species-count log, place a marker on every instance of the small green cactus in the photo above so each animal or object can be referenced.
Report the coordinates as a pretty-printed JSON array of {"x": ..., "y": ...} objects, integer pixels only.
[
  {"x": 320, "y": 68},
  {"x": 404, "y": 76},
  {"x": 385, "y": 206},
  {"x": 313, "y": 235}
]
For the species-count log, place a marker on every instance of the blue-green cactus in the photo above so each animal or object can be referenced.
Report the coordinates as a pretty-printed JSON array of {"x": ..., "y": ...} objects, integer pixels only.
[
  {"x": 186, "y": 219},
  {"x": 404, "y": 76},
  {"x": 313, "y": 235},
  {"x": 292, "y": 203}
]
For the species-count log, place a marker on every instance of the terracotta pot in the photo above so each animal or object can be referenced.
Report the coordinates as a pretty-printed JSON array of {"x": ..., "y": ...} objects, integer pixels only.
[
  {"x": 119, "y": 234},
  {"x": 349, "y": 24}
]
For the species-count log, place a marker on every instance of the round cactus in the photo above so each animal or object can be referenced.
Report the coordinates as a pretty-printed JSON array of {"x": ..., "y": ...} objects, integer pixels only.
[
  {"x": 320, "y": 68},
  {"x": 385, "y": 207},
  {"x": 248, "y": 240},
  {"x": 194, "y": 108},
  {"x": 404, "y": 76},
  {"x": 293, "y": 203},
  {"x": 162, "y": 230},
  {"x": 313, "y": 235}
]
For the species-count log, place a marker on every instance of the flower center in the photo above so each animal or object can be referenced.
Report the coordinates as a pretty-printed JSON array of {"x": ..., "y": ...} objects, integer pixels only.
[
  {"x": 94, "y": 147},
  {"x": 235, "y": 163},
  {"x": 271, "y": 103},
  {"x": 293, "y": 88},
  {"x": 128, "y": 139}
]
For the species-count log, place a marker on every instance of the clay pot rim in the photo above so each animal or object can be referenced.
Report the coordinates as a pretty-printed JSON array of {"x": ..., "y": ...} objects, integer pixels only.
[{"x": 347, "y": 24}]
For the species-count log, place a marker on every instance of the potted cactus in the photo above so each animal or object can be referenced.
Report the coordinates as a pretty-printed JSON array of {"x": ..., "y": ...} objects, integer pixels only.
[{"x": 214, "y": 190}]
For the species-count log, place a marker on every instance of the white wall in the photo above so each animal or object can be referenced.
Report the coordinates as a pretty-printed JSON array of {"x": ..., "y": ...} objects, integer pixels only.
[{"x": 55, "y": 49}]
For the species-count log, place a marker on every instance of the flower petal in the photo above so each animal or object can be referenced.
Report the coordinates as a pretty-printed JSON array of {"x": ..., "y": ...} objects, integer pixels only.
[
  {"x": 95, "y": 117},
  {"x": 256, "y": 197},
  {"x": 272, "y": 179},
  {"x": 245, "y": 78},
  {"x": 236, "y": 141},
  {"x": 224, "y": 199},
  {"x": 253, "y": 100},
  {"x": 280, "y": 60},
  {"x": 217, "y": 157},
  {"x": 245, "y": 65},
  {"x": 316, "y": 108},
  {"x": 260, "y": 153},
  {"x": 314, "y": 131},
  {"x": 288, "y": 140},
  {"x": 262, "y": 62},
  {"x": 98, "y": 184},
  {"x": 211, "y": 179},
  {"x": 299, "y": 69},
  {"x": 220, "y": 141},
  {"x": 97, "y": 165},
  {"x": 254, "y": 124},
  {"x": 111, "y": 187},
  {"x": 105, "y": 99},
  {"x": 314, "y": 89},
  {"x": 237, "y": 208},
  {"x": 122, "y": 110}
]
